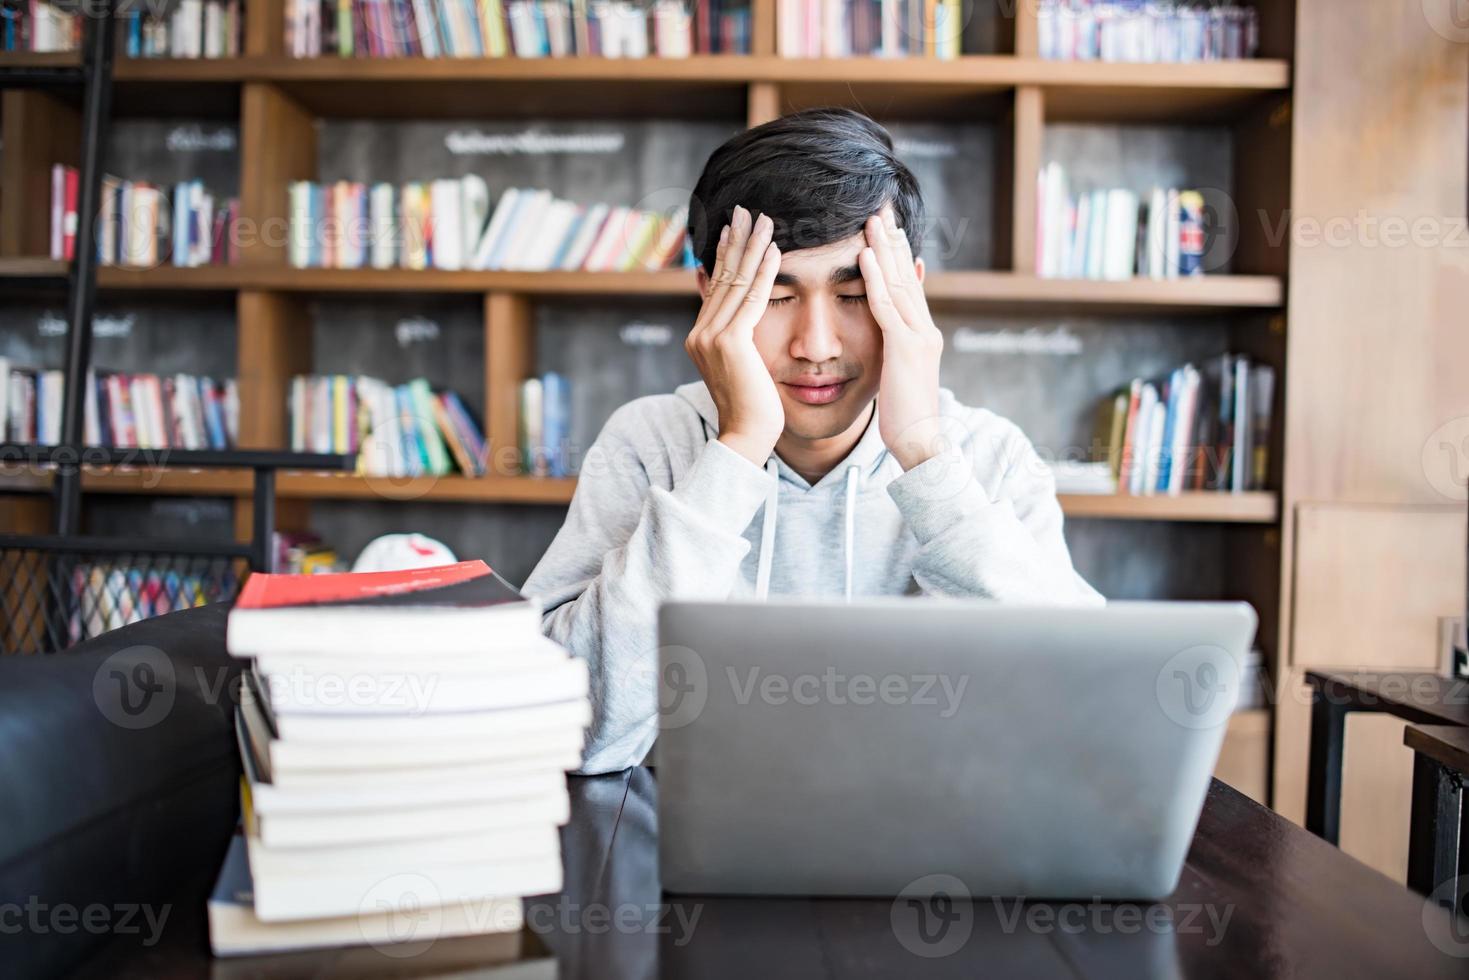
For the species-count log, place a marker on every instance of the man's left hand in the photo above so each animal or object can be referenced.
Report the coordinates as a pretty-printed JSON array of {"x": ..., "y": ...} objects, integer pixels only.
[{"x": 908, "y": 390}]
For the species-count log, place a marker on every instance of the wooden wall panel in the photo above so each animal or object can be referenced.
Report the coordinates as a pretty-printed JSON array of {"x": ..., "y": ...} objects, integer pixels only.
[
  {"x": 1378, "y": 333},
  {"x": 1371, "y": 582},
  {"x": 1372, "y": 547}
]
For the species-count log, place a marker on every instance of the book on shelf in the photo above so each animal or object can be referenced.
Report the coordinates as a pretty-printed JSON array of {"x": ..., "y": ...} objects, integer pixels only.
[
  {"x": 396, "y": 430},
  {"x": 40, "y": 27},
  {"x": 1115, "y": 234},
  {"x": 1199, "y": 429},
  {"x": 144, "y": 225},
  {"x": 880, "y": 28},
  {"x": 1146, "y": 31},
  {"x": 122, "y": 411},
  {"x": 184, "y": 29},
  {"x": 449, "y": 224},
  {"x": 423, "y": 732},
  {"x": 515, "y": 28},
  {"x": 545, "y": 426},
  {"x": 303, "y": 553}
]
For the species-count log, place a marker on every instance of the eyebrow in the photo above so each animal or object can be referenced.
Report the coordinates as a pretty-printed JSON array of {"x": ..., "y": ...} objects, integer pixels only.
[{"x": 846, "y": 273}]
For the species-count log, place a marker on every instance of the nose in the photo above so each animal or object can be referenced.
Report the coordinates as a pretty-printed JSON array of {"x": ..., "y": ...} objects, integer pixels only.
[{"x": 816, "y": 338}]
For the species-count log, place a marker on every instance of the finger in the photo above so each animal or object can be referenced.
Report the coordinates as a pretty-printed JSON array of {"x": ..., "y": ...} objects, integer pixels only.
[
  {"x": 707, "y": 309},
  {"x": 739, "y": 232},
  {"x": 891, "y": 250},
  {"x": 879, "y": 297},
  {"x": 758, "y": 297},
  {"x": 749, "y": 263},
  {"x": 879, "y": 241}
]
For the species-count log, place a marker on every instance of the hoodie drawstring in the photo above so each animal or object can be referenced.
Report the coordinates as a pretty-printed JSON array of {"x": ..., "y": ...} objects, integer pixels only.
[
  {"x": 767, "y": 532},
  {"x": 849, "y": 544}
]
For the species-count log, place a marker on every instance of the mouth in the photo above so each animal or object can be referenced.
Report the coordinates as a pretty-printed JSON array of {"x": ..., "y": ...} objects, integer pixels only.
[{"x": 817, "y": 391}]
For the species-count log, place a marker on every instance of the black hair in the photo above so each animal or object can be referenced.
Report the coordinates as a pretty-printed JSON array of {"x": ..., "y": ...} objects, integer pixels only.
[{"x": 817, "y": 173}]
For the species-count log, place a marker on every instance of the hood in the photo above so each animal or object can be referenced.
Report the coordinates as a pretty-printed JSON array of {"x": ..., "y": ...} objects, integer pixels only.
[{"x": 867, "y": 457}]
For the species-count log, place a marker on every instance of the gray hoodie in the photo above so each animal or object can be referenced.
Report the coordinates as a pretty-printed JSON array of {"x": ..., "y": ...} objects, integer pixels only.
[{"x": 663, "y": 510}]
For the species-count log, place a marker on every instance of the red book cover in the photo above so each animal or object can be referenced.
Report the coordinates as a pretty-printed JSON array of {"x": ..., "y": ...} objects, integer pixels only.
[
  {"x": 464, "y": 584},
  {"x": 69, "y": 220},
  {"x": 701, "y": 26}
]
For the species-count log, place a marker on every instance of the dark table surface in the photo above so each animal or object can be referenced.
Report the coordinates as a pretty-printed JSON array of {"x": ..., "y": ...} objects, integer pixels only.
[
  {"x": 1448, "y": 745},
  {"x": 1427, "y": 699},
  {"x": 1259, "y": 897}
]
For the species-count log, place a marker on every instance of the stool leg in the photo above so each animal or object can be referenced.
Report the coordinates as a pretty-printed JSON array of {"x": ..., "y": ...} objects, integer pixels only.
[
  {"x": 1323, "y": 784},
  {"x": 1433, "y": 842}
]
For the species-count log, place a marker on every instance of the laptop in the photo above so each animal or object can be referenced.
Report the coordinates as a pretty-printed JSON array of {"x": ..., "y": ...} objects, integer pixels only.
[{"x": 888, "y": 747}]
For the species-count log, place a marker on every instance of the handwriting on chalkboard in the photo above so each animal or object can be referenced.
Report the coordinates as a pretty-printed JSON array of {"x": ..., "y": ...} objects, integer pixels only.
[
  {"x": 415, "y": 330},
  {"x": 1059, "y": 342},
  {"x": 639, "y": 334},
  {"x": 926, "y": 149},
  {"x": 54, "y": 325},
  {"x": 467, "y": 142},
  {"x": 196, "y": 139}
]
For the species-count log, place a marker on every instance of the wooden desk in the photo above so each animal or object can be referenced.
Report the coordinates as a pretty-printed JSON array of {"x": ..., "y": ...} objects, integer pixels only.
[
  {"x": 1421, "y": 698},
  {"x": 1259, "y": 898},
  {"x": 1438, "y": 861}
]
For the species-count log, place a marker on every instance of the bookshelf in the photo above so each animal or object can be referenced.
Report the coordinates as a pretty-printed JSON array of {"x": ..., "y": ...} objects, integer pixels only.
[{"x": 280, "y": 103}]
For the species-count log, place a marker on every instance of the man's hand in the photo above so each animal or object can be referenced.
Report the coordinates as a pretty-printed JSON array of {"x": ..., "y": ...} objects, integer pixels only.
[
  {"x": 908, "y": 389},
  {"x": 722, "y": 343}
]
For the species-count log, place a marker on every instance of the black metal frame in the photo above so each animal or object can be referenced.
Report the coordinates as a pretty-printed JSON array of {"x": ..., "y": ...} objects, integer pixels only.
[
  {"x": 1333, "y": 699},
  {"x": 66, "y": 460},
  {"x": 1436, "y": 851}
]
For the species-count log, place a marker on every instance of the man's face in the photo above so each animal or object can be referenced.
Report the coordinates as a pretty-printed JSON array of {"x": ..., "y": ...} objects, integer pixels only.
[{"x": 819, "y": 340}]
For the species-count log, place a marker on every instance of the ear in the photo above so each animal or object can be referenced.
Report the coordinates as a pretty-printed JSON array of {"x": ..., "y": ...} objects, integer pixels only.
[
  {"x": 918, "y": 268},
  {"x": 703, "y": 280}
]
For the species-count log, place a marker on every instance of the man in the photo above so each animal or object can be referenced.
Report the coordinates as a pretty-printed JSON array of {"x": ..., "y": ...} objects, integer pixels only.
[{"x": 819, "y": 456}]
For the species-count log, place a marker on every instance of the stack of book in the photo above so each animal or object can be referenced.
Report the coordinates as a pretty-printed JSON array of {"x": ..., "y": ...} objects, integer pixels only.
[
  {"x": 448, "y": 224},
  {"x": 405, "y": 739},
  {"x": 545, "y": 426},
  {"x": 1146, "y": 31},
  {"x": 124, "y": 411},
  {"x": 144, "y": 225},
  {"x": 882, "y": 28},
  {"x": 402, "y": 430},
  {"x": 1203, "y": 429},
  {"x": 516, "y": 28},
  {"x": 35, "y": 25},
  {"x": 189, "y": 29},
  {"x": 1112, "y": 234}
]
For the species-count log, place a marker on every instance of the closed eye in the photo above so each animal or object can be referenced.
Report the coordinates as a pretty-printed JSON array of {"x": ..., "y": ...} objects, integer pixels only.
[{"x": 782, "y": 300}]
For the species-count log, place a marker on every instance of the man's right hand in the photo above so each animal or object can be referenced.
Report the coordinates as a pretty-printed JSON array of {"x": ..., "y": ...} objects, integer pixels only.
[{"x": 722, "y": 343}]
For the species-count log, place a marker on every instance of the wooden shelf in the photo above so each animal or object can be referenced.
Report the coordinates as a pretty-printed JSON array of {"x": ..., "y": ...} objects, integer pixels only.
[
  {"x": 1257, "y": 507},
  {"x": 999, "y": 291},
  {"x": 1002, "y": 290},
  {"x": 701, "y": 86}
]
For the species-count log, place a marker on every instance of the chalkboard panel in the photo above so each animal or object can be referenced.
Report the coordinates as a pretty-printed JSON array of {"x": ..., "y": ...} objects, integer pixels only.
[
  {"x": 399, "y": 338},
  {"x": 155, "y": 336},
  {"x": 167, "y": 151},
  {"x": 1140, "y": 158},
  {"x": 648, "y": 163}
]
